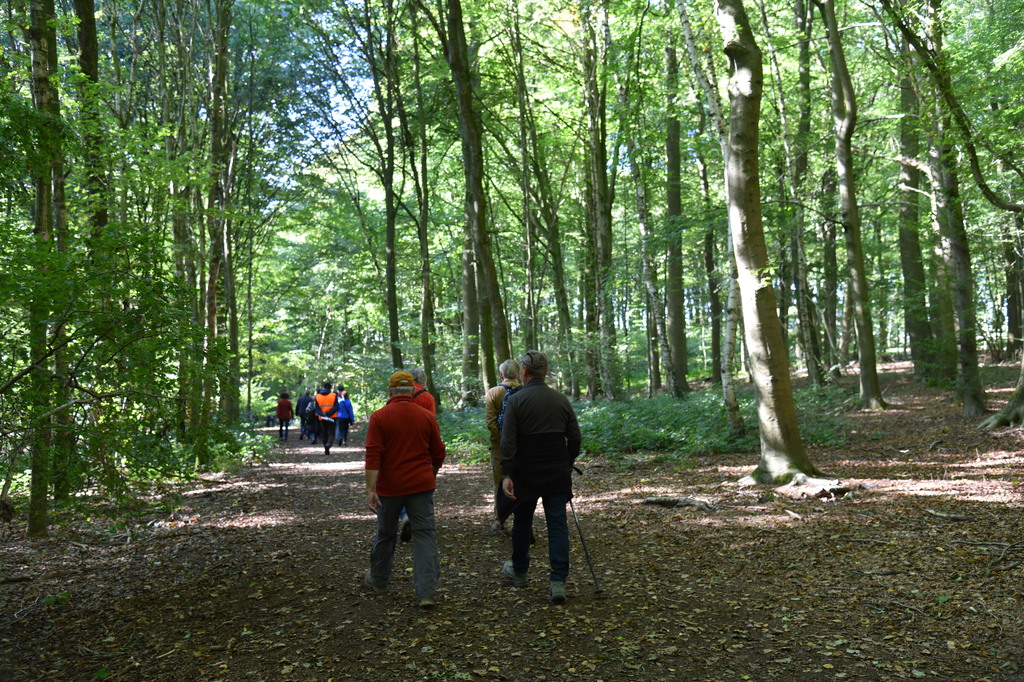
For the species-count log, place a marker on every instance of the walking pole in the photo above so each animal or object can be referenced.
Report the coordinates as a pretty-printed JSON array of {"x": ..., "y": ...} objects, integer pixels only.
[{"x": 586, "y": 552}]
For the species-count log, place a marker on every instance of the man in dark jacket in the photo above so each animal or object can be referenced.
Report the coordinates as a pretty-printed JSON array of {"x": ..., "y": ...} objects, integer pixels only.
[
  {"x": 540, "y": 441},
  {"x": 300, "y": 412}
]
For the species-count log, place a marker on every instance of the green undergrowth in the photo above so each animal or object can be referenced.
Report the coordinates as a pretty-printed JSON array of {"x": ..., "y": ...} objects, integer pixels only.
[
  {"x": 665, "y": 427},
  {"x": 139, "y": 471}
]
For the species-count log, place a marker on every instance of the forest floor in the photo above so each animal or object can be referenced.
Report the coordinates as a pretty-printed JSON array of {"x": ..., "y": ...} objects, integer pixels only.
[{"x": 916, "y": 573}]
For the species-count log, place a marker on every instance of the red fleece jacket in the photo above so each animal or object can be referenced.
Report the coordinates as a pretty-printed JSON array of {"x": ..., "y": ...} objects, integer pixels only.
[{"x": 404, "y": 444}]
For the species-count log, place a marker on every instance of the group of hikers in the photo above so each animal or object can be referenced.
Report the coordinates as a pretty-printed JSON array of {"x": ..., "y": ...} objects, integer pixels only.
[
  {"x": 534, "y": 442},
  {"x": 323, "y": 418}
]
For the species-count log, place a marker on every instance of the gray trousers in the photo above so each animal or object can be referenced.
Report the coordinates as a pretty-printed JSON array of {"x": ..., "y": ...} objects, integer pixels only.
[{"x": 426, "y": 565}]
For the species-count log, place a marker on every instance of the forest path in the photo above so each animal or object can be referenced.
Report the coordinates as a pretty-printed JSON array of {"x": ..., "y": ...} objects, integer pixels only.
[{"x": 258, "y": 575}]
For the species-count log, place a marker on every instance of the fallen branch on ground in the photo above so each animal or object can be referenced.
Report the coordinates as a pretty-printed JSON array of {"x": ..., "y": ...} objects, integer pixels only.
[
  {"x": 947, "y": 516},
  {"x": 680, "y": 502}
]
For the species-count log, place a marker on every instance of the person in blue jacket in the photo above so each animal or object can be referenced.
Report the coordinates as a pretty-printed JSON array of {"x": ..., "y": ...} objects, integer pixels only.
[{"x": 346, "y": 417}]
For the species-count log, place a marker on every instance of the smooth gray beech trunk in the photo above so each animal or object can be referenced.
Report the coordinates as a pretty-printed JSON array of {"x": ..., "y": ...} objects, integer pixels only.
[
  {"x": 844, "y": 117},
  {"x": 452, "y": 35},
  {"x": 704, "y": 73},
  {"x": 782, "y": 450}
]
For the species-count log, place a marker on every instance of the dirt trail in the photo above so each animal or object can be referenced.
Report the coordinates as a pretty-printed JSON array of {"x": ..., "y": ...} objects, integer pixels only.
[{"x": 258, "y": 576}]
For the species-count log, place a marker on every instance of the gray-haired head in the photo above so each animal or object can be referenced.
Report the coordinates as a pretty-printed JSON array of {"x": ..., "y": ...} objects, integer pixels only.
[
  {"x": 536, "y": 363},
  {"x": 510, "y": 369},
  {"x": 418, "y": 374}
]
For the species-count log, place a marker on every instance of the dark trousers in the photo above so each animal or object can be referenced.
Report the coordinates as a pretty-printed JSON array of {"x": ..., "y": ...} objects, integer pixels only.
[
  {"x": 341, "y": 426},
  {"x": 558, "y": 533},
  {"x": 326, "y": 433}
]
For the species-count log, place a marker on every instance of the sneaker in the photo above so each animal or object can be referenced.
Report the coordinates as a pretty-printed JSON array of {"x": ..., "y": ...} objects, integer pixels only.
[
  {"x": 556, "y": 594},
  {"x": 369, "y": 581},
  {"x": 426, "y": 603},
  {"x": 518, "y": 579},
  {"x": 406, "y": 530}
]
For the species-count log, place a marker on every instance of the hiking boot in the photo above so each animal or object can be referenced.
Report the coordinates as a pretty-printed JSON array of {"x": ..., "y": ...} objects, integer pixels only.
[
  {"x": 369, "y": 581},
  {"x": 556, "y": 594},
  {"x": 405, "y": 530},
  {"x": 518, "y": 579},
  {"x": 427, "y": 603}
]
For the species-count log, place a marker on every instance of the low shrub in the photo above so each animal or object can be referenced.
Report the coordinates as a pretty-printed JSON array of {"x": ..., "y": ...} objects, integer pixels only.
[{"x": 671, "y": 428}]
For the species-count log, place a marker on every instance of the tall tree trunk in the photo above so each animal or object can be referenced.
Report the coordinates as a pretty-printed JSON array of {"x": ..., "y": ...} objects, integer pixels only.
[
  {"x": 217, "y": 223},
  {"x": 915, "y": 305},
  {"x": 470, "y": 393},
  {"x": 943, "y": 315},
  {"x": 541, "y": 204},
  {"x": 589, "y": 296},
  {"x": 782, "y": 451},
  {"x": 651, "y": 348},
  {"x": 648, "y": 274},
  {"x": 1014, "y": 273},
  {"x": 968, "y": 375},
  {"x": 708, "y": 83},
  {"x": 844, "y": 116},
  {"x": 549, "y": 214},
  {"x": 829, "y": 295},
  {"x": 600, "y": 196},
  {"x": 42, "y": 47},
  {"x": 489, "y": 374},
  {"x": 806, "y": 309},
  {"x": 470, "y": 131},
  {"x": 385, "y": 87},
  {"x": 529, "y": 316},
  {"x": 96, "y": 182},
  {"x": 795, "y": 144},
  {"x": 949, "y": 212},
  {"x": 418, "y": 165},
  {"x": 714, "y": 306},
  {"x": 673, "y": 216}
]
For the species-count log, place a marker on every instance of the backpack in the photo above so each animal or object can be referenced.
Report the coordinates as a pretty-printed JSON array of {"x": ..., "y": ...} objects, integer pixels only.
[{"x": 504, "y": 401}]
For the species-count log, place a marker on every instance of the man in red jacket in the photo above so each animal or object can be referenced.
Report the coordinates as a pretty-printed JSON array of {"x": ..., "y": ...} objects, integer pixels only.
[{"x": 403, "y": 453}]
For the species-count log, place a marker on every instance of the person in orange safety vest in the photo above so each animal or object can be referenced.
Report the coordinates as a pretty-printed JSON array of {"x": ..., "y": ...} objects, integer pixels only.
[{"x": 326, "y": 411}]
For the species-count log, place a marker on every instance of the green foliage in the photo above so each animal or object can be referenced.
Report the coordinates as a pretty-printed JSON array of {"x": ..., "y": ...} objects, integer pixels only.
[
  {"x": 143, "y": 372},
  {"x": 667, "y": 428},
  {"x": 465, "y": 434},
  {"x": 820, "y": 414},
  {"x": 695, "y": 424},
  {"x": 59, "y": 599},
  {"x": 240, "y": 447}
]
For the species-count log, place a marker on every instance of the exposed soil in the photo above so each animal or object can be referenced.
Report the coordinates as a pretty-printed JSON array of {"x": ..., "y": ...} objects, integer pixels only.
[{"x": 914, "y": 573}]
